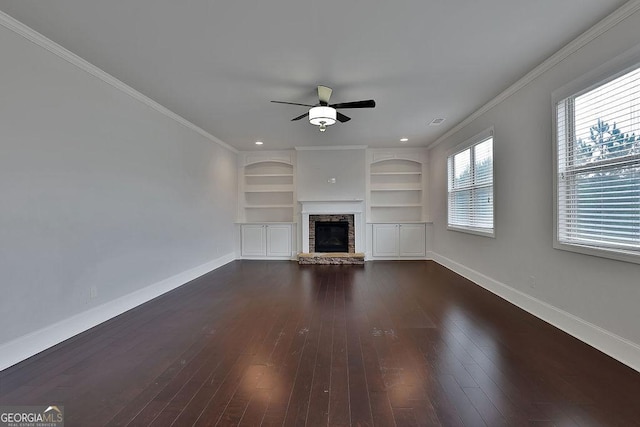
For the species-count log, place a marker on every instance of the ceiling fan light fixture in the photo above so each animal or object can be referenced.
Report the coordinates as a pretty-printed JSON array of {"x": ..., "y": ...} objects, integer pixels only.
[{"x": 322, "y": 116}]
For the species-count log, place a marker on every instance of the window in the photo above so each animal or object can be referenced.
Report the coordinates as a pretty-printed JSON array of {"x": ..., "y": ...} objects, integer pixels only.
[
  {"x": 598, "y": 169},
  {"x": 470, "y": 186}
]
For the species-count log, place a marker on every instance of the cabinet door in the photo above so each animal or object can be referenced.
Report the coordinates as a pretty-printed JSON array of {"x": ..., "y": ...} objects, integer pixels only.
[
  {"x": 412, "y": 240},
  {"x": 253, "y": 240},
  {"x": 385, "y": 240},
  {"x": 279, "y": 240}
]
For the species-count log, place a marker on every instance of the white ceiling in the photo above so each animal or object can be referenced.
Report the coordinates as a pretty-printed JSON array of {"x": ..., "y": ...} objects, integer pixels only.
[{"x": 218, "y": 63}]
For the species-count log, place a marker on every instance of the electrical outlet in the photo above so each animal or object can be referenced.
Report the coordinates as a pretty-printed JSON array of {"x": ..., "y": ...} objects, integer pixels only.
[{"x": 93, "y": 292}]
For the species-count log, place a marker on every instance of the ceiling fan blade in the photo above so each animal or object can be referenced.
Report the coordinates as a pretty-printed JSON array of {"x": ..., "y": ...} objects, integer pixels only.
[
  {"x": 292, "y": 103},
  {"x": 370, "y": 103},
  {"x": 302, "y": 116},
  {"x": 341, "y": 117},
  {"x": 324, "y": 93}
]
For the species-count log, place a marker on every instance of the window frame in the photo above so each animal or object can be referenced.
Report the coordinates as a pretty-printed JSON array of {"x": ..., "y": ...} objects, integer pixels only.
[
  {"x": 601, "y": 75},
  {"x": 469, "y": 144}
]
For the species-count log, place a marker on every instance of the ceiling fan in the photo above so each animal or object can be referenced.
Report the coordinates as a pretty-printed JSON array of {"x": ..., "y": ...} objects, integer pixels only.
[{"x": 324, "y": 114}]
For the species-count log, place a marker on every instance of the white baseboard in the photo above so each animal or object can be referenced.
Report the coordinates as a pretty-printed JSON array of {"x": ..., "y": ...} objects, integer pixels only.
[
  {"x": 398, "y": 258},
  {"x": 31, "y": 344},
  {"x": 428, "y": 257},
  {"x": 607, "y": 342}
]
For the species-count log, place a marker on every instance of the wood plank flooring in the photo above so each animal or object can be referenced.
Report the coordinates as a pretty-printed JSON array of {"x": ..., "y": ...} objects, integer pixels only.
[{"x": 275, "y": 343}]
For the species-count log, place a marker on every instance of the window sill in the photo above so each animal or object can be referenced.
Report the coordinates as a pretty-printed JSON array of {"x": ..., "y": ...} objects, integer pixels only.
[
  {"x": 615, "y": 254},
  {"x": 474, "y": 231}
]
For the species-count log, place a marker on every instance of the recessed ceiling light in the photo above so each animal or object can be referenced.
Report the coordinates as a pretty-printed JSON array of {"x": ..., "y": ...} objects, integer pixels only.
[
  {"x": 404, "y": 139},
  {"x": 436, "y": 122},
  {"x": 259, "y": 143}
]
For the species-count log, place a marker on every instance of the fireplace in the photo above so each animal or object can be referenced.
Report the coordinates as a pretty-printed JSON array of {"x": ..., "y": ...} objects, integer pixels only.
[
  {"x": 332, "y": 236},
  {"x": 349, "y": 211},
  {"x": 337, "y": 233}
]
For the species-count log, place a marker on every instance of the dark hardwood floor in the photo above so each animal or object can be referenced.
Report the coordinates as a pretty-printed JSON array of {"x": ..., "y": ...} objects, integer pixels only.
[{"x": 274, "y": 343}]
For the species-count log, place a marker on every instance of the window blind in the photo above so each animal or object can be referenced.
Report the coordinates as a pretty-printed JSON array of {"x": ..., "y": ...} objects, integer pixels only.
[
  {"x": 470, "y": 187},
  {"x": 598, "y": 182}
]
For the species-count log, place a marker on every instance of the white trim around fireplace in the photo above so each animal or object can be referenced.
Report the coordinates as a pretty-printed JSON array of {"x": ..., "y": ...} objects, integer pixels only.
[{"x": 333, "y": 207}]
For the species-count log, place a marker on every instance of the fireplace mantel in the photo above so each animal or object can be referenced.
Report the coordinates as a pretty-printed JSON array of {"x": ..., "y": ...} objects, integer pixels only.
[{"x": 336, "y": 207}]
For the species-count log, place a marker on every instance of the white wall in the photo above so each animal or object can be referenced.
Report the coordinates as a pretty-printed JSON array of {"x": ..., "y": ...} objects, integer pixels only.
[
  {"x": 97, "y": 190},
  {"x": 593, "y": 298},
  {"x": 316, "y": 166}
]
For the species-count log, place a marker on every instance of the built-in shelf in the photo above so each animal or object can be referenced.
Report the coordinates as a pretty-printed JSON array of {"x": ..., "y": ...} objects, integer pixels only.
[
  {"x": 396, "y": 184},
  {"x": 267, "y": 188}
]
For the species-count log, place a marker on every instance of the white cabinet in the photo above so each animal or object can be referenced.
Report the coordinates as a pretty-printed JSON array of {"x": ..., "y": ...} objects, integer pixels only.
[
  {"x": 412, "y": 240},
  {"x": 399, "y": 240},
  {"x": 266, "y": 240},
  {"x": 254, "y": 240},
  {"x": 385, "y": 240},
  {"x": 278, "y": 240}
]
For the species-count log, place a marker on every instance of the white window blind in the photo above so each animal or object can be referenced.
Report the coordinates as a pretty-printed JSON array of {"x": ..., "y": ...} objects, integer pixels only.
[
  {"x": 470, "y": 188},
  {"x": 598, "y": 155}
]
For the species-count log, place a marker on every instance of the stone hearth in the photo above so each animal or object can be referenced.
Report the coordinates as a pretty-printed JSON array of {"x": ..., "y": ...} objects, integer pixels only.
[{"x": 331, "y": 258}]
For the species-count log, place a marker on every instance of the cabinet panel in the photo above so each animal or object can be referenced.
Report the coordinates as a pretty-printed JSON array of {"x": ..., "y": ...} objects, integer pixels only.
[
  {"x": 266, "y": 240},
  {"x": 412, "y": 240},
  {"x": 385, "y": 240},
  {"x": 398, "y": 240},
  {"x": 278, "y": 240},
  {"x": 253, "y": 240}
]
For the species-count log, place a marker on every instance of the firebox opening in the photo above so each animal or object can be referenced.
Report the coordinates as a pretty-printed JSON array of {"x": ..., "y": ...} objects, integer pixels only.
[{"x": 332, "y": 236}]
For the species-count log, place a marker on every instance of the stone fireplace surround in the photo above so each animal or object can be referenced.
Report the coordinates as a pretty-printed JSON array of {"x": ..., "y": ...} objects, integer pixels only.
[
  {"x": 332, "y": 218},
  {"x": 332, "y": 210}
]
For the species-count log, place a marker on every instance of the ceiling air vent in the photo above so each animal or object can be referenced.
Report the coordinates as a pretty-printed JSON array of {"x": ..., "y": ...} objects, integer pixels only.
[{"x": 436, "y": 122}]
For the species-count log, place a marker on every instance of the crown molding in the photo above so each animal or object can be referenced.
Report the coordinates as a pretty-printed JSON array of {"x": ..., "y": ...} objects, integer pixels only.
[
  {"x": 40, "y": 40},
  {"x": 591, "y": 34},
  {"x": 336, "y": 147}
]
